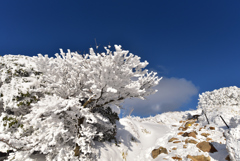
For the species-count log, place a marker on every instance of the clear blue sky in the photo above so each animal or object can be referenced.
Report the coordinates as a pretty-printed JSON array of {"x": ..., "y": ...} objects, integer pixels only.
[{"x": 195, "y": 40}]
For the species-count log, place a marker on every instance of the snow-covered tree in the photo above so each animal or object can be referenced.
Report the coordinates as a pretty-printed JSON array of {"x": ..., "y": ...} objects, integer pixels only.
[
  {"x": 223, "y": 102},
  {"x": 60, "y": 106},
  {"x": 227, "y": 96}
]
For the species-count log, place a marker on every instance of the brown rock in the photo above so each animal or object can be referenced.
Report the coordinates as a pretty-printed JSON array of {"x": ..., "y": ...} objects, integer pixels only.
[
  {"x": 174, "y": 148},
  {"x": 177, "y": 142},
  {"x": 228, "y": 158},
  {"x": 206, "y": 147},
  {"x": 190, "y": 134},
  {"x": 209, "y": 139},
  {"x": 180, "y": 133},
  {"x": 200, "y": 128},
  {"x": 158, "y": 151},
  {"x": 185, "y": 128},
  {"x": 172, "y": 139},
  {"x": 196, "y": 124},
  {"x": 212, "y": 128},
  {"x": 205, "y": 134},
  {"x": 177, "y": 158},
  {"x": 191, "y": 141},
  {"x": 185, "y": 146},
  {"x": 199, "y": 158}
]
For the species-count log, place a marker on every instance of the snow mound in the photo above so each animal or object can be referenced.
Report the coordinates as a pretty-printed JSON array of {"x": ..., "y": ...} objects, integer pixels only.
[{"x": 233, "y": 139}]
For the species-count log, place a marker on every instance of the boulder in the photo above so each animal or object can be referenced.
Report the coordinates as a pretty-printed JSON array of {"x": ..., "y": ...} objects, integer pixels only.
[
  {"x": 158, "y": 151},
  {"x": 206, "y": 147}
]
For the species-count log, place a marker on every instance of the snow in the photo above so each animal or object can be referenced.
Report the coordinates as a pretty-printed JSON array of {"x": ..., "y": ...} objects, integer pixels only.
[{"x": 137, "y": 137}]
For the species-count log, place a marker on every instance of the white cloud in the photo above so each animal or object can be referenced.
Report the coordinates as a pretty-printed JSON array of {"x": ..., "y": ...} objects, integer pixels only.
[{"x": 172, "y": 94}]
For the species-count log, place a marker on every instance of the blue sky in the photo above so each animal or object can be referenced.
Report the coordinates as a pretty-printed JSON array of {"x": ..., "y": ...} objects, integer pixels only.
[{"x": 194, "y": 45}]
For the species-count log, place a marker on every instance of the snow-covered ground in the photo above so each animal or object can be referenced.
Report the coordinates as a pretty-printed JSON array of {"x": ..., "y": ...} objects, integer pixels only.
[{"x": 138, "y": 137}]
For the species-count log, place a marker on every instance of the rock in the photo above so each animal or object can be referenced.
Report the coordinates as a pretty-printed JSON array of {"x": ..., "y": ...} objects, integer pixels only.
[
  {"x": 208, "y": 139},
  {"x": 158, "y": 151},
  {"x": 199, "y": 158},
  {"x": 176, "y": 142},
  {"x": 212, "y": 128},
  {"x": 191, "y": 141},
  {"x": 177, "y": 158},
  {"x": 185, "y": 146},
  {"x": 172, "y": 139},
  {"x": 185, "y": 128},
  {"x": 190, "y": 134},
  {"x": 228, "y": 158},
  {"x": 174, "y": 148},
  {"x": 205, "y": 134},
  {"x": 180, "y": 133},
  {"x": 206, "y": 147}
]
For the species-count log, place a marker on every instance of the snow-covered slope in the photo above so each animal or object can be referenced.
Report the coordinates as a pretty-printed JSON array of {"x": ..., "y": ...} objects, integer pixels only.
[{"x": 139, "y": 137}]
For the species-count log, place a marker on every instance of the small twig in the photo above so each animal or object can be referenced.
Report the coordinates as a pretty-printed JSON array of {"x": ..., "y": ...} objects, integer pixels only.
[
  {"x": 131, "y": 112},
  {"x": 87, "y": 102}
]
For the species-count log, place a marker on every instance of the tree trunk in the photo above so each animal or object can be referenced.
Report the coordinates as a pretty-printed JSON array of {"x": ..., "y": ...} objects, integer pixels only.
[{"x": 77, "y": 147}]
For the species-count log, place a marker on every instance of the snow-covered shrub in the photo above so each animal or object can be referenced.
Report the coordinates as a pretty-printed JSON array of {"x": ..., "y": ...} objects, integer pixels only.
[
  {"x": 60, "y": 106},
  {"x": 223, "y": 102},
  {"x": 228, "y": 96}
]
